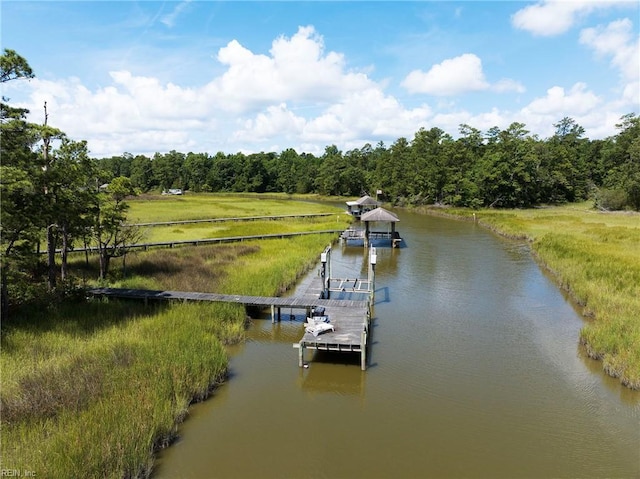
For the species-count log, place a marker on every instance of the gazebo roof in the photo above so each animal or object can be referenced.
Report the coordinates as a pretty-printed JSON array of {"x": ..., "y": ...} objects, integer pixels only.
[
  {"x": 365, "y": 200},
  {"x": 380, "y": 214}
]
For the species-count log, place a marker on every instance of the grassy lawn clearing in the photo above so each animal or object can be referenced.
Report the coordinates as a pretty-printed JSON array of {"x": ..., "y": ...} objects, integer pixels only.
[{"x": 198, "y": 206}]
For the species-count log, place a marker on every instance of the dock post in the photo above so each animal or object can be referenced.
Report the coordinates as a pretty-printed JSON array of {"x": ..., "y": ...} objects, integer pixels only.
[
  {"x": 325, "y": 257},
  {"x": 273, "y": 314},
  {"x": 363, "y": 350},
  {"x": 371, "y": 274},
  {"x": 301, "y": 354}
]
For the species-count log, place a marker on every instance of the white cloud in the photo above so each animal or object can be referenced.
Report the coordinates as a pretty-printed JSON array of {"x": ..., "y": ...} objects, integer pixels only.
[
  {"x": 589, "y": 110},
  {"x": 297, "y": 69},
  {"x": 451, "y": 77},
  {"x": 356, "y": 119},
  {"x": 617, "y": 41},
  {"x": 455, "y": 76},
  {"x": 507, "y": 84},
  {"x": 631, "y": 94},
  {"x": 553, "y": 17},
  {"x": 578, "y": 100},
  {"x": 276, "y": 121}
]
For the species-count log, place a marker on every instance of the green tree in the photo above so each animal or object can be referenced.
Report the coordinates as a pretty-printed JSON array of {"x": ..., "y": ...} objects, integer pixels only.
[
  {"x": 21, "y": 200},
  {"x": 563, "y": 175},
  {"x": 13, "y": 66},
  {"x": 330, "y": 172},
  {"x": 397, "y": 168},
  {"x": 427, "y": 174},
  {"x": 621, "y": 157},
  {"x": 73, "y": 190},
  {"x": 222, "y": 174},
  {"x": 195, "y": 171},
  {"x": 48, "y": 185},
  {"x": 167, "y": 169},
  {"x": 142, "y": 173},
  {"x": 507, "y": 173},
  {"x": 110, "y": 231},
  {"x": 284, "y": 171}
]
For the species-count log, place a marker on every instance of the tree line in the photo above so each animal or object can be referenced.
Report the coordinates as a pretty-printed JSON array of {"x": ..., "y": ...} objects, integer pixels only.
[
  {"x": 51, "y": 200},
  {"x": 55, "y": 196},
  {"x": 498, "y": 168}
]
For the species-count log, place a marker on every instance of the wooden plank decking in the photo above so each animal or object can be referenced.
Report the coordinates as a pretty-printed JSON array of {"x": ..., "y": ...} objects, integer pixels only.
[
  {"x": 263, "y": 301},
  {"x": 350, "y": 318},
  {"x": 201, "y": 242},
  {"x": 234, "y": 219}
]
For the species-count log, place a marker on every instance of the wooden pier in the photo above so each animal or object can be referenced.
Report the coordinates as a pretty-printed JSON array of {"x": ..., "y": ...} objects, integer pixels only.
[
  {"x": 349, "y": 318},
  {"x": 351, "y": 334}
]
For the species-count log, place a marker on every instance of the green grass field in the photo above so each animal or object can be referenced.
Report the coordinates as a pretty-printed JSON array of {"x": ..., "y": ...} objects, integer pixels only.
[
  {"x": 93, "y": 389},
  {"x": 199, "y": 206},
  {"x": 596, "y": 257},
  {"x": 224, "y": 229}
]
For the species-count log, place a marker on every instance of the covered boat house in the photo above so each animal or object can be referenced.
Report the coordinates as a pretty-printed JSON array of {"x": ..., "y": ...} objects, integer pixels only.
[
  {"x": 362, "y": 205},
  {"x": 377, "y": 215}
]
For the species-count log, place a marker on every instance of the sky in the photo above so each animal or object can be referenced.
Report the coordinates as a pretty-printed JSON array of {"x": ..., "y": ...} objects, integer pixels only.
[{"x": 204, "y": 76}]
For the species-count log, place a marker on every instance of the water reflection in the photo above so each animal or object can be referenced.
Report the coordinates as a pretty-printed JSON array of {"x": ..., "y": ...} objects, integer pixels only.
[{"x": 334, "y": 374}]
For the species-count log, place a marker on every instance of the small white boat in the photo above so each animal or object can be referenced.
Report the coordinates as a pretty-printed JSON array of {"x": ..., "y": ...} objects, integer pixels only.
[
  {"x": 318, "y": 328},
  {"x": 317, "y": 319}
]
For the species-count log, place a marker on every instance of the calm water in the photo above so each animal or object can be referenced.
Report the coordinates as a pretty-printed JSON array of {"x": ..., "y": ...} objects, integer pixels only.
[{"x": 475, "y": 371}]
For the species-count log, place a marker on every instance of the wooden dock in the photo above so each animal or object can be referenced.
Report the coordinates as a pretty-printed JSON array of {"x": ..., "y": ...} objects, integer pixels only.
[
  {"x": 351, "y": 334},
  {"x": 350, "y": 318}
]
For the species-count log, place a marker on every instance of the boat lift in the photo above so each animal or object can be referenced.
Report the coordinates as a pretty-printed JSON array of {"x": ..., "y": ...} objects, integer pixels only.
[{"x": 347, "y": 285}]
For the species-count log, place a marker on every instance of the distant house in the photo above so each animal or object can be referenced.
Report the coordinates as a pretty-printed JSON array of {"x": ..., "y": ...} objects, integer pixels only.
[
  {"x": 360, "y": 206},
  {"x": 173, "y": 191}
]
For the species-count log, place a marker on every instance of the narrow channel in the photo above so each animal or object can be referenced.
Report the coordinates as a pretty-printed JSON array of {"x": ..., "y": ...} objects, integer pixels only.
[{"x": 474, "y": 371}]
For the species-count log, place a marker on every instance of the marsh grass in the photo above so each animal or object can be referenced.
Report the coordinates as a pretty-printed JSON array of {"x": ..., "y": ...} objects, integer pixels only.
[
  {"x": 596, "y": 257},
  {"x": 244, "y": 228},
  {"x": 197, "y": 206},
  {"x": 93, "y": 390}
]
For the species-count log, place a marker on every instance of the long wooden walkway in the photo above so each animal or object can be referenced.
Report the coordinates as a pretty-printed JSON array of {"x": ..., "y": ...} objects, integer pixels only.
[
  {"x": 350, "y": 318},
  {"x": 296, "y": 302},
  {"x": 202, "y": 242},
  {"x": 236, "y": 218}
]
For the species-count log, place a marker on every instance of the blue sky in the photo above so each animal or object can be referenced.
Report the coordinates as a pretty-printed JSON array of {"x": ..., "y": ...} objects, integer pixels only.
[{"x": 205, "y": 76}]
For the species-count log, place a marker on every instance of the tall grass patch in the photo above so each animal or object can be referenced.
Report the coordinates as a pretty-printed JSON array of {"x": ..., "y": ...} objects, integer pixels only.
[{"x": 101, "y": 404}]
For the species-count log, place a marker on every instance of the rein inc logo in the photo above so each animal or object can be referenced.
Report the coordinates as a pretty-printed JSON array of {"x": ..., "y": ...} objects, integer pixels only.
[{"x": 17, "y": 473}]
